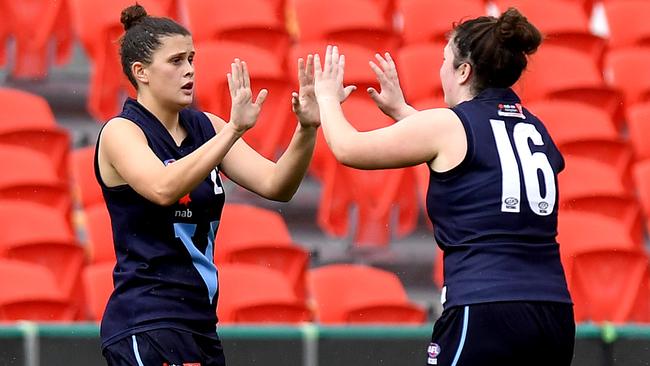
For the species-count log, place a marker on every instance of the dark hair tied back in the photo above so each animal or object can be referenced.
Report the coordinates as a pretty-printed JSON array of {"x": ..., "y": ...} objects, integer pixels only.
[
  {"x": 132, "y": 15},
  {"x": 515, "y": 32}
]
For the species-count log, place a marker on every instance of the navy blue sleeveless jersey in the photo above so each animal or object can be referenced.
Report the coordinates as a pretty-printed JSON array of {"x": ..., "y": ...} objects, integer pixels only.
[
  {"x": 495, "y": 214},
  {"x": 165, "y": 275}
]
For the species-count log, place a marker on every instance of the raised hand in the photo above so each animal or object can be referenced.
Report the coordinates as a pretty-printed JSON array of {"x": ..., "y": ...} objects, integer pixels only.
[
  {"x": 391, "y": 98},
  {"x": 329, "y": 78},
  {"x": 243, "y": 112},
  {"x": 303, "y": 103}
]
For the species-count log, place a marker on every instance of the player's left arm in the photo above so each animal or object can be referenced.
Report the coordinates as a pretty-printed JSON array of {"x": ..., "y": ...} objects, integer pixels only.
[{"x": 280, "y": 181}]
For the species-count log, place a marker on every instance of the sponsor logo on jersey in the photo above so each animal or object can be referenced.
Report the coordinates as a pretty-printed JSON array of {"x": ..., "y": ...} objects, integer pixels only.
[
  {"x": 511, "y": 110},
  {"x": 433, "y": 351}
]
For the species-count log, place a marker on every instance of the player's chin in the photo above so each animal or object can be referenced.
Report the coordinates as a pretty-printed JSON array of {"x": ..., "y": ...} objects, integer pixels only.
[{"x": 185, "y": 100}]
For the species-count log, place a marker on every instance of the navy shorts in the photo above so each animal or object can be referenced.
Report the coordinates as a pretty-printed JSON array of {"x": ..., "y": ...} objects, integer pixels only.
[
  {"x": 504, "y": 334},
  {"x": 165, "y": 347}
]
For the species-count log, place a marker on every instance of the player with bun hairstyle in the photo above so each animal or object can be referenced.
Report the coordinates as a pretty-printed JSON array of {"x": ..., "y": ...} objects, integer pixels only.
[
  {"x": 492, "y": 195},
  {"x": 158, "y": 164}
]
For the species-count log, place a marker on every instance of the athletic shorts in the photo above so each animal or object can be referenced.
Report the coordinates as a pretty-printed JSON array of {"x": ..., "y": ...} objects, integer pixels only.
[
  {"x": 165, "y": 347},
  {"x": 504, "y": 334}
]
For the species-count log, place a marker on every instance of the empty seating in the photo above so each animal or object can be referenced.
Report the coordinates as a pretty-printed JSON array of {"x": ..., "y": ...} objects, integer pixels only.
[
  {"x": 374, "y": 193},
  {"x": 33, "y": 27},
  {"x": 29, "y": 292},
  {"x": 428, "y": 21},
  {"x": 563, "y": 23},
  {"x": 611, "y": 286},
  {"x": 87, "y": 190},
  {"x": 98, "y": 285},
  {"x": 346, "y": 293},
  {"x": 359, "y": 21},
  {"x": 247, "y": 21},
  {"x": 638, "y": 123},
  {"x": 254, "y": 294},
  {"x": 269, "y": 244},
  {"x": 627, "y": 71},
  {"x": 627, "y": 23},
  {"x": 556, "y": 72}
]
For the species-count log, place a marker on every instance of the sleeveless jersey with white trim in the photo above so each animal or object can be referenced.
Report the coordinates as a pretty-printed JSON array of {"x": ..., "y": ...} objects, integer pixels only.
[
  {"x": 495, "y": 214},
  {"x": 165, "y": 275}
]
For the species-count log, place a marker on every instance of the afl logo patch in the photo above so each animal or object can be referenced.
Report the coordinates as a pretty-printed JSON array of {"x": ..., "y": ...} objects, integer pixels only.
[
  {"x": 433, "y": 350},
  {"x": 511, "y": 201},
  {"x": 543, "y": 207}
]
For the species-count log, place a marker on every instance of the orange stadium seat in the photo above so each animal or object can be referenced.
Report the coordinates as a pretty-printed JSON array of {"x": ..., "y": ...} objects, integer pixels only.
[
  {"x": 98, "y": 28},
  {"x": 556, "y": 72},
  {"x": 628, "y": 23},
  {"x": 4, "y": 33},
  {"x": 582, "y": 130},
  {"x": 33, "y": 28},
  {"x": 418, "y": 67},
  {"x": 268, "y": 224},
  {"x": 29, "y": 292},
  {"x": 580, "y": 232},
  {"x": 247, "y": 21},
  {"x": 638, "y": 124},
  {"x": 642, "y": 180},
  {"x": 276, "y": 122},
  {"x": 375, "y": 193},
  {"x": 269, "y": 245},
  {"x": 98, "y": 285},
  {"x": 627, "y": 70},
  {"x": 254, "y": 294},
  {"x": 53, "y": 245},
  {"x": 336, "y": 21},
  {"x": 421, "y": 26},
  {"x": 604, "y": 195},
  {"x": 563, "y": 23},
  {"x": 86, "y": 188},
  {"x": 22, "y": 109},
  {"x": 99, "y": 234},
  {"x": 28, "y": 176},
  {"x": 348, "y": 293},
  {"x": 611, "y": 286},
  {"x": 27, "y": 121}
]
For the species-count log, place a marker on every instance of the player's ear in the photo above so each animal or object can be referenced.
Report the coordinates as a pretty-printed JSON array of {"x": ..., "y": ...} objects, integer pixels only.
[
  {"x": 140, "y": 72},
  {"x": 464, "y": 71}
]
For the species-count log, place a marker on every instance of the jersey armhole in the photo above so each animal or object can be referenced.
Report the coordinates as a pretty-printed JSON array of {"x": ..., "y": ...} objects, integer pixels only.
[{"x": 469, "y": 155}]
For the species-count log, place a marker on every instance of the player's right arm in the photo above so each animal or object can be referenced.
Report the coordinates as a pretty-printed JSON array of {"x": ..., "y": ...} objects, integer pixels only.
[{"x": 126, "y": 158}]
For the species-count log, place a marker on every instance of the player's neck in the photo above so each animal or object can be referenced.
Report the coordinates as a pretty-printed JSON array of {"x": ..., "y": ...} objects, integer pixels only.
[{"x": 167, "y": 116}]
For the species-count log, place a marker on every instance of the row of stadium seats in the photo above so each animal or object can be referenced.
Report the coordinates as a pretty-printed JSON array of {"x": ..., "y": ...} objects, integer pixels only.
[
  {"x": 266, "y": 277},
  {"x": 249, "y": 293},
  {"x": 595, "y": 151}
]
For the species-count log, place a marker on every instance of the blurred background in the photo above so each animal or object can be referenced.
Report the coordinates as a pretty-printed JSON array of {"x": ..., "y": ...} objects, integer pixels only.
[{"x": 348, "y": 272}]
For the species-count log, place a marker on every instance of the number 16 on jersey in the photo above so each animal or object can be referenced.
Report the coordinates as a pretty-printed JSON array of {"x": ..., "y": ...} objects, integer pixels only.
[{"x": 531, "y": 163}]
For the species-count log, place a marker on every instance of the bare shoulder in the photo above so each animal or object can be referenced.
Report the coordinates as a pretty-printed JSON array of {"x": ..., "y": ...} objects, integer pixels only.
[
  {"x": 217, "y": 122},
  {"x": 436, "y": 115},
  {"x": 117, "y": 127}
]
